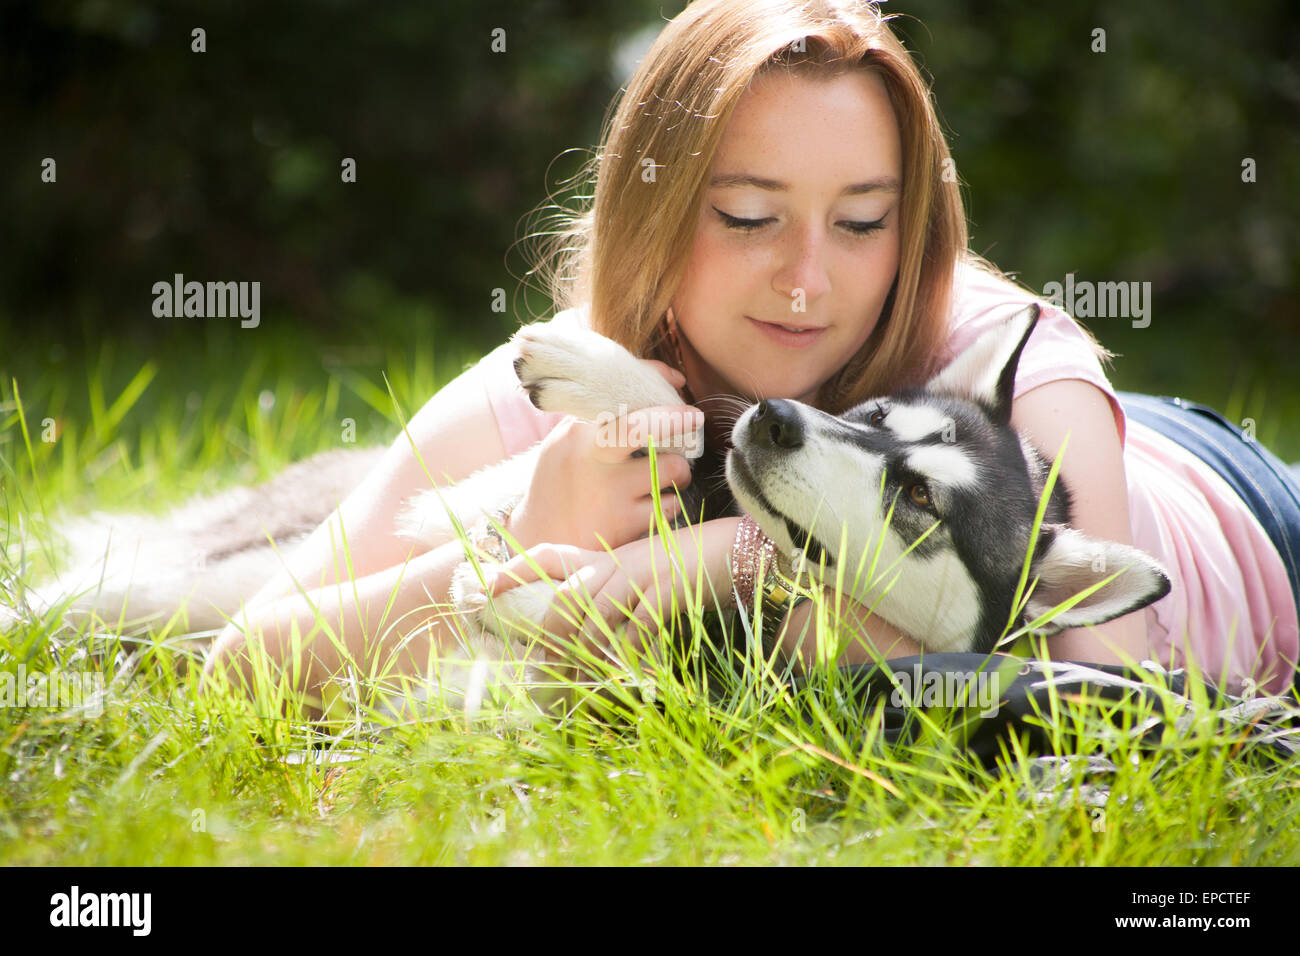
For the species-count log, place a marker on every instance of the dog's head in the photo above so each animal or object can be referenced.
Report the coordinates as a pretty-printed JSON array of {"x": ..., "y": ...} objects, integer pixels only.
[{"x": 934, "y": 488}]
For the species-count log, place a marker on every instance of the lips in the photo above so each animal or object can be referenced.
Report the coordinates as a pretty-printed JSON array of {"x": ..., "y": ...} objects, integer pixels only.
[
  {"x": 791, "y": 334},
  {"x": 796, "y": 326}
]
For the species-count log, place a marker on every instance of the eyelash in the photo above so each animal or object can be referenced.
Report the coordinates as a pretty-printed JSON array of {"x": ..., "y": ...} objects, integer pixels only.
[{"x": 858, "y": 228}]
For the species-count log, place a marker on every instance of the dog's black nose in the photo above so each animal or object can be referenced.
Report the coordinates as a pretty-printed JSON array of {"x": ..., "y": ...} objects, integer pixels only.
[{"x": 776, "y": 424}]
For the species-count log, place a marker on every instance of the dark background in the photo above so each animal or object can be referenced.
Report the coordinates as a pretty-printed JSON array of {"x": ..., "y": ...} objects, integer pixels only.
[{"x": 1120, "y": 166}]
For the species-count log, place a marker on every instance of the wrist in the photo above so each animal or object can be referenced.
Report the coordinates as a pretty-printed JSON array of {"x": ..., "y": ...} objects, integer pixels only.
[
  {"x": 491, "y": 536},
  {"x": 718, "y": 558},
  {"x": 761, "y": 586},
  {"x": 520, "y": 530},
  {"x": 710, "y": 544}
]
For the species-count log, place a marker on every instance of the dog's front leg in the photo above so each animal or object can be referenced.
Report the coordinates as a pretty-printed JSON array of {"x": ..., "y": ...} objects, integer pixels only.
[
  {"x": 427, "y": 516},
  {"x": 581, "y": 373}
]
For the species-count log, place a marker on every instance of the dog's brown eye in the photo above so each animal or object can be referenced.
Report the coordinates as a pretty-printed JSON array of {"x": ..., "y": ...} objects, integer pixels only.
[
  {"x": 876, "y": 418},
  {"x": 920, "y": 495}
]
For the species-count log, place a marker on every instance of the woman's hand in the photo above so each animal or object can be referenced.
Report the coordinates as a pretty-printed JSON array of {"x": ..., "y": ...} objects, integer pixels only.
[
  {"x": 642, "y": 579},
  {"x": 590, "y": 492},
  {"x": 863, "y": 637},
  {"x": 646, "y": 576}
]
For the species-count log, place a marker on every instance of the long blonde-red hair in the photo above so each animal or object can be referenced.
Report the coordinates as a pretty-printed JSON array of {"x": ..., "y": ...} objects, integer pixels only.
[{"x": 624, "y": 255}]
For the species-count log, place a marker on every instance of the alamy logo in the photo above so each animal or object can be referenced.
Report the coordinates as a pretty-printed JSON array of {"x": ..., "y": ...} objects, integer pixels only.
[
  {"x": 208, "y": 300},
  {"x": 1087, "y": 300},
  {"x": 613, "y": 430},
  {"x": 103, "y": 909},
  {"x": 66, "y": 690},
  {"x": 946, "y": 689}
]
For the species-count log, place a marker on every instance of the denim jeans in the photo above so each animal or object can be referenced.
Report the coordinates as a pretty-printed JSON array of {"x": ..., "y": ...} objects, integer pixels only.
[{"x": 1269, "y": 488}]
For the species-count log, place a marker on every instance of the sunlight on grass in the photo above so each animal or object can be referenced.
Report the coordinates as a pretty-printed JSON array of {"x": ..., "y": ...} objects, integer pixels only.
[{"x": 688, "y": 747}]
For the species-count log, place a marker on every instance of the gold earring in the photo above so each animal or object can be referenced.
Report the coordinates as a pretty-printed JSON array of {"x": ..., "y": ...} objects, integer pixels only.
[
  {"x": 675, "y": 343},
  {"x": 670, "y": 324}
]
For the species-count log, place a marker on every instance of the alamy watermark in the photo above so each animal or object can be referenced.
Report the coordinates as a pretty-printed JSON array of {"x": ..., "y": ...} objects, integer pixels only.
[
  {"x": 613, "y": 430},
  {"x": 65, "y": 690},
  {"x": 208, "y": 300},
  {"x": 1101, "y": 300},
  {"x": 130, "y": 910},
  {"x": 946, "y": 689}
]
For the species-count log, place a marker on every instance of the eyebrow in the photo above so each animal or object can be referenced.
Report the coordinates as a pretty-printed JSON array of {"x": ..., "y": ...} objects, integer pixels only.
[{"x": 881, "y": 184}]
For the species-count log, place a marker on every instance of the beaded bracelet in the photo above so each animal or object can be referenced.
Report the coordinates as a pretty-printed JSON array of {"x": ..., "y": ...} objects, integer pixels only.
[
  {"x": 750, "y": 549},
  {"x": 754, "y": 567}
]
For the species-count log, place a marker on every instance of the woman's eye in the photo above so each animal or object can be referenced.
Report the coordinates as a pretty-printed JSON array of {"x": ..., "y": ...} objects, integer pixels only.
[
  {"x": 857, "y": 227},
  {"x": 861, "y": 228},
  {"x": 745, "y": 225}
]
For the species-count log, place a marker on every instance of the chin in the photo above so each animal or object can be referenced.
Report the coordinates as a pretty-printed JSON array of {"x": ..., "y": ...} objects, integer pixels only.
[{"x": 798, "y": 391}]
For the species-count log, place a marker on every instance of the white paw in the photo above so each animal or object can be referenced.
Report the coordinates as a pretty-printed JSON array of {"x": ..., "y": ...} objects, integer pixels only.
[
  {"x": 467, "y": 593},
  {"x": 578, "y": 372},
  {"x": 426, "y": 515},
  {"x": 515, "y": 614}
]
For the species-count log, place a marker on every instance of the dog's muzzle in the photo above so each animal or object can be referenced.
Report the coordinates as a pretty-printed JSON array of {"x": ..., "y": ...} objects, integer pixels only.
[{"x": 775, "y": 423}]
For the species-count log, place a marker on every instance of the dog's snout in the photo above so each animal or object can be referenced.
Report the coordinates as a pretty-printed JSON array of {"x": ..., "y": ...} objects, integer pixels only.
[{"x": 776, "y": 424}]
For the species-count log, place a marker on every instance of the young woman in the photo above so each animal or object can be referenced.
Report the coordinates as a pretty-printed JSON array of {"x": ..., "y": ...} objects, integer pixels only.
[{"x": 773, "y": 218}]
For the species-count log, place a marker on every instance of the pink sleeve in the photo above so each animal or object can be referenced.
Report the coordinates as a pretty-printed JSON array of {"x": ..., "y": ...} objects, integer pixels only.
[
  {"x": 1058, "y": 349},
  {"x": 520, "y": 423}
]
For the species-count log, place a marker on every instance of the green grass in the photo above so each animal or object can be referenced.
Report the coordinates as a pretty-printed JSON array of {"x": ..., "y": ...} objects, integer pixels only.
[{"x": 714, "y": 769}]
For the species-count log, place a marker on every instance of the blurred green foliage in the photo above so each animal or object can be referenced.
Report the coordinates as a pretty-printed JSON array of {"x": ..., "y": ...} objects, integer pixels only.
[
  {"x": 1120, "y": 165},
  {"x": 1126, "y": 165}
]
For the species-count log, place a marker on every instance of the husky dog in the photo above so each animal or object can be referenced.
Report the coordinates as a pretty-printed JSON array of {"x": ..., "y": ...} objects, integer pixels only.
[
  {"x": 940, "y": 464},
  {"x": 960, "y": 488},
  {"x": 933, "y": 481}
]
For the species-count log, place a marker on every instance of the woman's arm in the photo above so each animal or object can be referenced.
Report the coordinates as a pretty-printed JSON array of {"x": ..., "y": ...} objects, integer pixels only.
[
  {"x": 1093, "y": 469},
  {"x": 617, "y": 580},
  {"x": 383, "y": 623},
  {"x": 456, "y": 434}
]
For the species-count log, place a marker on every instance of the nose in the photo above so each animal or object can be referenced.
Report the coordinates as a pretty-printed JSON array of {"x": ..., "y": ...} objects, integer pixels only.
[
  {"x": 803, "y": 268},
  {"x": 776, "y": 424}
]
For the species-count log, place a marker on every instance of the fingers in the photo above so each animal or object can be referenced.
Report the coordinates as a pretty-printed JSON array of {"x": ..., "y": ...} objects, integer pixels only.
[
  {"x": 574, "y": 600},
  {"x": 555, "y": 561},
  {"x": 617, "y": 618},
  {"x": 668, "y": 426},
  {"x": 665, "y": 424},
  {"x": 597, "y": 613},
  {"x": 671, "y": 375},
  {"x": 669, "y": 503},
  {"x": 602, "y": 619},
  {"x": 631, "y": 495},
  {"x": 636, "y": 480}
]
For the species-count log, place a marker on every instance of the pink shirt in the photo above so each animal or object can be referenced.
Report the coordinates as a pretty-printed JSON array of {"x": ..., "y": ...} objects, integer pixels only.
[{"x": 1230, "y": 605}]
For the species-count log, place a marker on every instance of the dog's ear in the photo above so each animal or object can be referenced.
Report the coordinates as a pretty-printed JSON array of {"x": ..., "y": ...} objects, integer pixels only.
[
  {"x": 1067, "y": 562},
  {"x": 986, "y": 371}
]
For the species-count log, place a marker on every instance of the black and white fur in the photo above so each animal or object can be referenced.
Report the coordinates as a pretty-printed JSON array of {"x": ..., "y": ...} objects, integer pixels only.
[
  {"x": 802, "y": 474},
  {"x": 943, "y": 453}
]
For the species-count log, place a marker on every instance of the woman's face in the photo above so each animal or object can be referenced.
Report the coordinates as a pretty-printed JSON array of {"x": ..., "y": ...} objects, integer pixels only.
[{"x": 799, "y": 229}]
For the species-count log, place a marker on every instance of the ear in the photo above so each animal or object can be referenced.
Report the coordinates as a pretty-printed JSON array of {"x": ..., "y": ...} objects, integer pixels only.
[
  {"x": 1067, "y": 562},
  {"x": 986, "y": 372}
]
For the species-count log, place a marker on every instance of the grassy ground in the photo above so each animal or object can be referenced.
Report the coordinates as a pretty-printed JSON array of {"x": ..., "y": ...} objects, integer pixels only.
[{"x": 745, "y": 771}]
